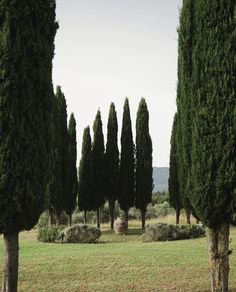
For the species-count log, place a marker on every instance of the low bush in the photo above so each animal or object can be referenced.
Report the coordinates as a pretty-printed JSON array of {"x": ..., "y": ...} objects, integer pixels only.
[
  {"x": 159, "y": 198},
  {"x": 79, "y": 234},
  {"x": 49, "y": 234},
  {"x": 163, "y": 209},
  {"x": 166, "y": 232}
]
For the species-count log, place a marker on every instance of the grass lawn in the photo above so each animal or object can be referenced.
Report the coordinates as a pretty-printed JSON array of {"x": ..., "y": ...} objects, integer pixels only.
[{"x": 118, "y": 263}]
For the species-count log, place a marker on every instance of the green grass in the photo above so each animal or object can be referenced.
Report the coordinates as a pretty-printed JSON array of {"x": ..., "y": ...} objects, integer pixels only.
[{"x": 118, "y": 263}]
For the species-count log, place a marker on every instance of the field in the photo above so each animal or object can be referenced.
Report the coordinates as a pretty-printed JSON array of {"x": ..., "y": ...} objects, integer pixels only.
[{"x": 118, "y": 263}]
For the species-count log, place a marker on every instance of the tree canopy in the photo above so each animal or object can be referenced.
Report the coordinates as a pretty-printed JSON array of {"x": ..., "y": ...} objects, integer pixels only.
[
  {"x": 72, "y": 181},
  {"x": 174, "y": 191},
  {"x": 112, "y": 161},
  {"x": 85, "y": 190},
  {"x": 127, "y": 162},
  {"x": 144, "y": 181}
]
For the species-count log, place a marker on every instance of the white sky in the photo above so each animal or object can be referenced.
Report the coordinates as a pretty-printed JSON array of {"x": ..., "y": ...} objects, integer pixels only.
[{"x": 107, "y": 50}]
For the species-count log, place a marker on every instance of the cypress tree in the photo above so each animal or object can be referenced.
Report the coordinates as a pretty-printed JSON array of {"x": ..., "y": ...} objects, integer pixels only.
[
  {"x": 54, "y": 188},
  {"x": 212, "y": 100},
  {"x": 58, "y": 180},
  {"x": 63, "y": 161},
  {"x": 174, "y": 193},
  {"x": 184, "y": 90},
  {"x": 112, "y": 162},
  {"x": 98, "y": 166},
  {"x": 144, "y": 181},
  {"x": 126, "y": 194},
  {"x": 26, "y": 50},
  {"x": 85, "y": 189},
  {"x": 72, "y": 182}
]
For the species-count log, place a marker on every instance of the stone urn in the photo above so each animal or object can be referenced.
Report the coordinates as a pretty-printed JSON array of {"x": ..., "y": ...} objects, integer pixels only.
[{"x": 120, "y": 226}]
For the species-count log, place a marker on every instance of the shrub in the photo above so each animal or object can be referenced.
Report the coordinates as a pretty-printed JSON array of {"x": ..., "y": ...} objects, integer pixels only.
[
  {"x": 48, "y": 234},
  {"x": 105, "y": 212},
  {"x": 165, "y": 232},
  {"x": 151, "y": 212},
  {"x": 163, "y": 209},
  {"x": 79, "y": 234},
  {"x": 159, "y": 197},
  {"x": 77, "y": 218}
]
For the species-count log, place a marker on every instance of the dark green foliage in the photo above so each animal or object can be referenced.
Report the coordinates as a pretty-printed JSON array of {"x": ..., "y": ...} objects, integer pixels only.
[
  {"x": 98, "y": 163},
  {"x": 85, "y": 190},
  {"x": 144, "y": 182},
  {"x": 58, "y": 179},
  {"x": 72, "y": 182},
  {"x": 63, "y": 162},
  {"x": 214, "y": 111},
  {"x": 54, "y": 188},
  {"x": 27, "y": 31},
  {"x": 174, "y": 192},
  {"x": 126, "y": 195},
  {"x": 184, "y": 91},
  {"x": 112, "y": 161}
]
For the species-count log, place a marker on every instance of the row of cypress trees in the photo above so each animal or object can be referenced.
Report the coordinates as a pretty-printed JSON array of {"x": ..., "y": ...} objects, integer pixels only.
[
  {"x": 203, "y": 143},
  {"x": 106, "y": 174}
]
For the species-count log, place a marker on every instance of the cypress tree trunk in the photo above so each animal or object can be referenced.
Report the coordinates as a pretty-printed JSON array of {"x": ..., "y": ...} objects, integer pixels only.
[
  {"x": 127, "y": 216},
  {"x": 111, "y": 211},
  {"x": 188, "y": 215},
  {"x": 70, "y": 219},
  {"x": 57, "y": 220},
  {"x": 218, "y": 248},
  {"x": 10, "y": 278},
  {"x": 98, "y": 218},
  {"x": 50, "y": 218},
  {"x": 85, "y": 217},
  {"x": 143, "y": 217},
  {"x": 177, "y": 216}
]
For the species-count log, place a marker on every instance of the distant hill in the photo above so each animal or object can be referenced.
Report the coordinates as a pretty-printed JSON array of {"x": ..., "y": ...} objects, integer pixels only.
[{"x": 160, "y": 178}]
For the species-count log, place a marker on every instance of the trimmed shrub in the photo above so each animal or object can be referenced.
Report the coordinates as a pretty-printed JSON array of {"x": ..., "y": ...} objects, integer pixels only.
[
  {"x": 167, "y": 232},
  {"x": 48, "y": 234},
  {"x": 79, "y": 234}
]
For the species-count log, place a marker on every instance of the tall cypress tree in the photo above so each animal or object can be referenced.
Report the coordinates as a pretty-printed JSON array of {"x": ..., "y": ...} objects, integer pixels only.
[
  {"x": 85, "y": 190},
  {"x": 72, "y": 181},
  {"x": 98, "y": 166},
  {"x": 174, "y": 192},
  {"x": 144, "y": 181},
  {"x": 212, "y": 101},
  {"x": 58, "y": 179},
  {"x": 126, "y": 194},
  {"x": 184, "y": 91},
  {"x": 112, "y": 162},
  {"x": 54, "y": 187},
  {"x": 63, "y": 161},
  {"x": 27, "y": 31}
]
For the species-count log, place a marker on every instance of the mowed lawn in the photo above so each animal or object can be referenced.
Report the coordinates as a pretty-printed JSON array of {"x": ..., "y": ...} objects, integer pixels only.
[{"x": 118, "y": 263}]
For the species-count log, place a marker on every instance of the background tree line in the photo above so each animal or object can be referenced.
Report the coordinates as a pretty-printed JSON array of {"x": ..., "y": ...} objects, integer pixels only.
[
  {"x": 107, "y": 175},
  {"x": 104, "y": 174}
]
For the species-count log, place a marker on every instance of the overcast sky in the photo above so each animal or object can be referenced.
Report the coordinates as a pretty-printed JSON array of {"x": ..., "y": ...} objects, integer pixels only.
[{"x": 107, "y": 50}]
